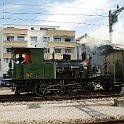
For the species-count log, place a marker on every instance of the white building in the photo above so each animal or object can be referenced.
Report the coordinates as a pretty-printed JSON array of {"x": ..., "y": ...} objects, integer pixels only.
[{"x": 56, "y": 41}]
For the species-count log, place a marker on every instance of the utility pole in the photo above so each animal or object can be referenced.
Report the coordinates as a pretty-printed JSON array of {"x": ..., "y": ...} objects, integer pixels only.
[
  {"x": 110, "y": 27},
  {"x": 113, "y": 18}
]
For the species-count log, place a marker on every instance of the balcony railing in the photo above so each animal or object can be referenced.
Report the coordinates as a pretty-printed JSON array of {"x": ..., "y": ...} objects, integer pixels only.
[
  {"x": 7, "y": 55},
  {"x": 9, "y": 44},
  {"x": 62, "y": 44},
  {"x": 61, "y": 33},
  {"x": 15, "y": 31}
]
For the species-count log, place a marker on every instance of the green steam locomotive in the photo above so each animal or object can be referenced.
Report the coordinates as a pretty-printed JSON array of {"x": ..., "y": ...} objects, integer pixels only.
[{"x": 42, "y": 76}]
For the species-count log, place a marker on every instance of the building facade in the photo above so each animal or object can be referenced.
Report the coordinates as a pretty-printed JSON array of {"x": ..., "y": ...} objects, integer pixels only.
[{"x": 56, "y": 41}]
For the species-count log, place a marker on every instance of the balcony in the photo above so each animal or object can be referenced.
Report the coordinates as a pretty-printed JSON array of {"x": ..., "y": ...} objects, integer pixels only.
[
  {"x": 7, "y": 55},
  {"x": 9, "y": 44},
  {"x": 15, "y": 31},
  {"x": 61, "y": 44},
  {"x": 61, "y": 33}
]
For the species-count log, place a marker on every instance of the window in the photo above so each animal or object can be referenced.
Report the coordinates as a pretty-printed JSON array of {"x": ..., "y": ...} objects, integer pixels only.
[
  {"x": 32, "y": 28},
  {"x": 67, "y": 39},
  {"x": 20, "y": 38},
  {"x": 10, "y": 38},
  {"x": 10, "y": 27},
  {"x": 67, "y": 50},
  {"x": 57, "y": 50},
  {"x": 46, "y": 39},
  {"x": 43, "y": 29},
  {"x": 57, "y": 39},
  {"x": 9, "y": 50},
  {"x": 33, "y": 38},
  {"x": 6, "y": 60},
  {"x": 48, "y": 50}
]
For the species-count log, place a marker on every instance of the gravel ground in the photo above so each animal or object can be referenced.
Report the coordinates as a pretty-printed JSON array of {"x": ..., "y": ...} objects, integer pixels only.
[{"x": 60, "y": 112}]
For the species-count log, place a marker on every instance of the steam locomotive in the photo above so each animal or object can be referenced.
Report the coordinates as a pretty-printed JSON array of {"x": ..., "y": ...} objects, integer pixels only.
[{"x": 66, "y": 76}]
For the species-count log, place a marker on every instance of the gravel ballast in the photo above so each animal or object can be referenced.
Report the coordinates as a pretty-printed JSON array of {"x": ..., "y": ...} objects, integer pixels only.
[{"x": 60, "y": 112}]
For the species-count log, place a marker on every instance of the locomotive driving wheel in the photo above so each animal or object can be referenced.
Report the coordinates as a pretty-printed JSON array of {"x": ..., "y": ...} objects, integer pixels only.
[
  {"x": 41, "y": 89},
  {"x": 58, "y": 88},
  {"x": 72, "y": 88}
]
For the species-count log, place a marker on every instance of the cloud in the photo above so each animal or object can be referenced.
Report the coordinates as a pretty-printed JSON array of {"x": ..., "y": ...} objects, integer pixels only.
[{"x": 76, "y": 8}]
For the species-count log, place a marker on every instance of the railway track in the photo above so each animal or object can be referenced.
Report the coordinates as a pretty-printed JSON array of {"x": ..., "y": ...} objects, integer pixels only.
[
  {"x": 79, "y": 104},
  {"x": 33, "y": 97}
]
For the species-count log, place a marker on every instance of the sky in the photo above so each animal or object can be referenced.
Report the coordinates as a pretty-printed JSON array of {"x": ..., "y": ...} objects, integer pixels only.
[{"x": 83, "y": 16}]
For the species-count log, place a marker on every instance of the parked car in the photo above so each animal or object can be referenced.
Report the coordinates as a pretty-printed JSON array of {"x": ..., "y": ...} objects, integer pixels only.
[{"x": 5, "y": 80}]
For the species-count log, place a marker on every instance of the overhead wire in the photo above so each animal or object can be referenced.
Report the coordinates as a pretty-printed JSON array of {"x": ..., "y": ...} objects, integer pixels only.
[
  {"x": 48, "y": 5},
  {"x": 39, "y": 13},
  {"x": 81, "y": 23}
]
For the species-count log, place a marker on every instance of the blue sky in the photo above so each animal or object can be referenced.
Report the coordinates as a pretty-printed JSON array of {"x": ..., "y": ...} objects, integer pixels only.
[{"x": 83, "y": 16}]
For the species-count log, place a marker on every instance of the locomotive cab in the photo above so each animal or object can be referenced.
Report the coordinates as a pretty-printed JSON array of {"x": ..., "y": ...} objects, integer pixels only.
[{"x": 32, "y": 70}]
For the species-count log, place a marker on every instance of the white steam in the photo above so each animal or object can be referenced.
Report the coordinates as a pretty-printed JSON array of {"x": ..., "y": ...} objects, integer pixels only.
[
  {"x": 118, "y": 34},
  {"x": 98, "y": 37},
  {"x": 102, "y": 36}
]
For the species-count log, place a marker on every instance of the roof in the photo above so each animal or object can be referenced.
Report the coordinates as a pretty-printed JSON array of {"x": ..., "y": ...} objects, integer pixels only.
[{"x": 118, "y": 46}]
